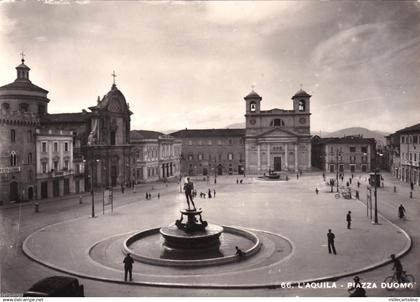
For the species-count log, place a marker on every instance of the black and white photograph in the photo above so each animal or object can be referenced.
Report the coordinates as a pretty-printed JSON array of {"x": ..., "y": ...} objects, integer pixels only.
[{"x": 216, "y": 149}]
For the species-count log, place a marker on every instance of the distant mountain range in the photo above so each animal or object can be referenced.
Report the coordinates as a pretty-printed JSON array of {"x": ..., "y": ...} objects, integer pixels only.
[{"x": 379, "y": 136}]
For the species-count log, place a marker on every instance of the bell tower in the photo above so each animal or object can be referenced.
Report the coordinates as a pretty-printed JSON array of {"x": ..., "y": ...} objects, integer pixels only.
[
  {"x": 253, "y": 103},
  {"x": 301, "y": 101}
]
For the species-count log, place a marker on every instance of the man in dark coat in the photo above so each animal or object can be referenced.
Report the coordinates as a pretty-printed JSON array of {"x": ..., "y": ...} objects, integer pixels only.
[
  {"x": 348, "y": 219},
  {"x": 128, "y": 267},
  {"x": 188, "y": 188},
  {"x": 331, "y": 238}
]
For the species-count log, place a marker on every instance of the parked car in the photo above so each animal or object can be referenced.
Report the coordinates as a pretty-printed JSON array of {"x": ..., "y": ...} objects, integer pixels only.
[{"x": 56, "y": 286}]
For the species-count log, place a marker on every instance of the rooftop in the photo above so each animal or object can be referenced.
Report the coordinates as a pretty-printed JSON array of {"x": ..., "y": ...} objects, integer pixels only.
[
  {"x": 208, "y": 133},
  {"x": 145, "y": 134},
  {"x": 343, "y": 140},
  {"x": 77, "y": 117},
  {"x": 414, "y": 128}
]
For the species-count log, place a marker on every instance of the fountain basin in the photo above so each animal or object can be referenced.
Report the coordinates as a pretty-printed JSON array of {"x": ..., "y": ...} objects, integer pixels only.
[{"x": 188, "y": 257}]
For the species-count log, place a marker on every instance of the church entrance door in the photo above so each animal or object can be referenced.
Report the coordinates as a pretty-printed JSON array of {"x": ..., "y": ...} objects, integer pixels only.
[
  {"x": 113, "y": 176},
  {"x": 277, "y": 163},
  {"x": 14, "y": 191}
]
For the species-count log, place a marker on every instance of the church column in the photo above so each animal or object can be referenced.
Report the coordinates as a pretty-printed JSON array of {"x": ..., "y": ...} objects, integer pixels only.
[
  {"x": 296, "y": 157},
  {"x": 268, "y": 156},
  {"x": 246, "y": 159},
  {"x": 309, "y": 156},
  {"x": 285, "y": 157},
  {"x": 258, "y": 157}
]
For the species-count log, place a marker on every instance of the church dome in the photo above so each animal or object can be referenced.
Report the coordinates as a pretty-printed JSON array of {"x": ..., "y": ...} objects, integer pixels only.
[
  {"x": 22, "y": 86},
  {"x": 113, "y": 101}
]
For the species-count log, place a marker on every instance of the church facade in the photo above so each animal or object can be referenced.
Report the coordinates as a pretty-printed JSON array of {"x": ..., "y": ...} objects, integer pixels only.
[{"x": 277, "y": 140}]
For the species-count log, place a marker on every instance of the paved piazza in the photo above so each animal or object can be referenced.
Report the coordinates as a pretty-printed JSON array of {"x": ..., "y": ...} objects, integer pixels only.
[{"x": 288, "y": 217}]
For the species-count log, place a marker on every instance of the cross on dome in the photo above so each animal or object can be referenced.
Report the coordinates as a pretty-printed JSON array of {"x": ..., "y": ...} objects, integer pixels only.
[
  {"x": 114, "y": 76},
  {"x": 22, "y": 54}
]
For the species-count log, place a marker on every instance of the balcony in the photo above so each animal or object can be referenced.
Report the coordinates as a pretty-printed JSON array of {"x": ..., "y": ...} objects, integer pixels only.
[{"x": 7, "y": 170}]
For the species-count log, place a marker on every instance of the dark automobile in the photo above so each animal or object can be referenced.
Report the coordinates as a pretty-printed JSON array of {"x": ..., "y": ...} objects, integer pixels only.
[{"x": 56, "y": 286}]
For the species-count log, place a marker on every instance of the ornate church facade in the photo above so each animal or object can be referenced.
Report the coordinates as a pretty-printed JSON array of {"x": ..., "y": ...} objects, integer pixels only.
[{"x": 277, "y": 139}]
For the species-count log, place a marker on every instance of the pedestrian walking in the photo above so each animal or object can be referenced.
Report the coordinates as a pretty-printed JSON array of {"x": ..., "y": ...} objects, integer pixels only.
[
  {"x": 357, "y": 194},
  {"x": 347, "y": 184},
  {"x": 348, "y": 219},
  {"x": 316, "y": 191},
  {"x": 147, "y": 195},
  {"x": 358, "y": 184},
  {"x": 350, "y": 180},
  {"x": 158, "y": 195},
  {"x": 412, "y": 186},
  {"x": 122, "y": 188},
  {"x": 128, "y": 267},
  {"x": 331, "y": 246},
  {"x": 401, "y": 211},
  {"x": 209, "y": 193},
  {"x": 214, "y": 193},
  {"x": 239, "y": 253},
  {"x": 237, "y": 181},
  {"x": 297, "y": 175},
  {"x": 323, "y": 175},
  {"x": 300, "y": 172}
]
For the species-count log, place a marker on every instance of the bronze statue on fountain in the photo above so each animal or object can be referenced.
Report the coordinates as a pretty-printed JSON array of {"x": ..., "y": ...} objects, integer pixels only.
[{"x": 193, "y": 224}]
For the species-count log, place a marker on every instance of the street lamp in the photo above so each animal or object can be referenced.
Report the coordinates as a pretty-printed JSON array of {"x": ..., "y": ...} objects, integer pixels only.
[
  {"x": 375, "y": 192},
  {"x": 92, "y": 161},
  {"x": 336, "y": 161}
]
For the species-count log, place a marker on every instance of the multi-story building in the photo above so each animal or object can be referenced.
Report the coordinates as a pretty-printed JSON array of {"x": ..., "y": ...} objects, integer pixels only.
[
  {"x": 212, "y": 151},
  {"x": 156, "y": 155},
  {"x": 101, "y": 139},
  {"x": 54, "y": 164},
  {"x": 391, "y": 153},
  {"x": 347, "y": 154},
  {"x": 410, "y": 154},
  {"x": 21, "y": 105},
  {"x": 277, "y": 139}
]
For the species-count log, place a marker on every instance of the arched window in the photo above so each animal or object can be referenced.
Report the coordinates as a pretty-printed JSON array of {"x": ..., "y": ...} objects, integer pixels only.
[
  {"x": 252, "y": 106},
  {"x": 277, "y": 123},
  {"x": 13, "y": 135},
  {"x": 23, "y": 107},
  {"x": 41, "y": 109},
  {"x": 301, "y": 105},
  {"x": 5, "y": 106},
  {"x": 13, "y": 159}
]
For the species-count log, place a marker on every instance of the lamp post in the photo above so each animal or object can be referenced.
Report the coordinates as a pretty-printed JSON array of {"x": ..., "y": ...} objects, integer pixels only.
[
  {"x": 92, "y": 193},
  {"x": 336, "y": 160}
]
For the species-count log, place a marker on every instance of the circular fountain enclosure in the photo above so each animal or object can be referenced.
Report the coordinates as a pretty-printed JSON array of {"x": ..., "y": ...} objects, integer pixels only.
[{"x": 241, "y": 234}]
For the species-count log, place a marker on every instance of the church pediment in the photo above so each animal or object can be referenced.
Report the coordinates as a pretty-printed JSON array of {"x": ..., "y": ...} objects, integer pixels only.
[{"x": 277, "y": 132}]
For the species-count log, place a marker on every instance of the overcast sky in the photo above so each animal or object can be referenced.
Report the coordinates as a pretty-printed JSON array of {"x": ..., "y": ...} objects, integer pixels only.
[{"x": 189, "y": 64}]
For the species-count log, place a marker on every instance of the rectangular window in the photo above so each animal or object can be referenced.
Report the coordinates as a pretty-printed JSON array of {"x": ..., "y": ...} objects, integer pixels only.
[
  {"x": 230, "y": 141},
  {"x": 77, "y": 168},
  {"x": 352, "y": 149},
  {"x": 66, "y": 147},
  {"x": 44, "y": 147},
  {"x": 44, "y": 167},
  {"x": 13, "y": 135},
  {"x": 66, "y": 164},
  {"x": 200, "y": 156},
  {"x": 230, "y": 156},
  {"x": 190, "y": 142},
  {"x": 55, "y": 165},
  {"x": 415, "y": 139},
  {"x": 364, "y": 149},
  {"x": 220, "y": 156},
  {"x": 55, "y": 147},
  {"x": 190, "y": 157},
  {"x": 402, "y": 139}
]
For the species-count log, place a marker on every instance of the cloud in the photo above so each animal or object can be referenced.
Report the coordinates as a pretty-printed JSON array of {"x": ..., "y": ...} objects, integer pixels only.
[{"x": 362, "y": 44}]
